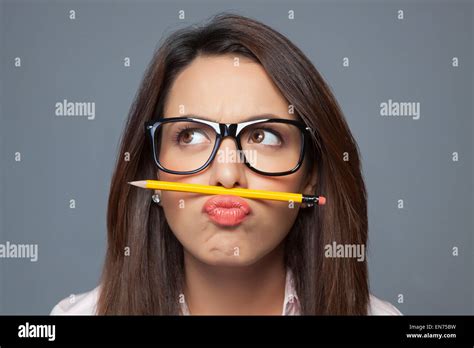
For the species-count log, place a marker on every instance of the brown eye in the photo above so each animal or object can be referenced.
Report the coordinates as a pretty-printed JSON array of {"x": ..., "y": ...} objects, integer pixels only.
[
  {"x": 187, "y": 137},
  {"x": 257, "y": 136},
  {"x": 262, "y": 136},
  {"x": 192, "y": 137}
]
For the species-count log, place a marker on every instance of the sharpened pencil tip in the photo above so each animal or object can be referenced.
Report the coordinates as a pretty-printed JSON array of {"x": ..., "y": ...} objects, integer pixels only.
[{"x": 141, "y": 183}]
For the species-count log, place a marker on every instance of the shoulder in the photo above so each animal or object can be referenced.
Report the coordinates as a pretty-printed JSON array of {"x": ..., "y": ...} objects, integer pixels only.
[
  {"x": 381, "y": 307},
  {"x": 78, "y": 304}
]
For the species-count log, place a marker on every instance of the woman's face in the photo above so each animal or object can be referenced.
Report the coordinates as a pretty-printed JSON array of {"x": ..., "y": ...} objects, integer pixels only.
[{"x": 220, "y": 90}]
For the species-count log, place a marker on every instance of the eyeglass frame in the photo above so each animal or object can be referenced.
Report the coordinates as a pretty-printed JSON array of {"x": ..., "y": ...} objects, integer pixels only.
[{"x": 223, "y": 130}]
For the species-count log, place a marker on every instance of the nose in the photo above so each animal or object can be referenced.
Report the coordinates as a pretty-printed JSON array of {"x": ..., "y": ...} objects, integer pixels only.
[{"x": 227, "y": 168}]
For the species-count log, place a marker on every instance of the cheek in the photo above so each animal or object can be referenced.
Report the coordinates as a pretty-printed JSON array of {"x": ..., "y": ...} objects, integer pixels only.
[
  {"x": 277, "y": 217},
  {"x": 273, "y": 223},
  {"x": 184, "y": 218},
  {"x": 289, "y": 183}
]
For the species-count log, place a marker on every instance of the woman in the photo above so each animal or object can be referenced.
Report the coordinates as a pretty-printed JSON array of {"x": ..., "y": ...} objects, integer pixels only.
[{"x": 184, "y": 253}]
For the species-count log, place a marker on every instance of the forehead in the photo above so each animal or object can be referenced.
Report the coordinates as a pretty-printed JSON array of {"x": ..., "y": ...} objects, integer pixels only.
[{"x": 226, "y": 89}]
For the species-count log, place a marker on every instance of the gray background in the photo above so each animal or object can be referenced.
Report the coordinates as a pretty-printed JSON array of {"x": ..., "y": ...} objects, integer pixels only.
[{"x": 63, "y": 158}]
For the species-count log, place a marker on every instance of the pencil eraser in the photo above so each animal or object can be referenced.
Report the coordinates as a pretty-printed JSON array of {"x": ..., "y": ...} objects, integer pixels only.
[{"x": 321, "y": 200}]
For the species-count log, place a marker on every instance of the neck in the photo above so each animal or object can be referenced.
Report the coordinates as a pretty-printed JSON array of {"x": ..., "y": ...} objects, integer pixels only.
[{"x": 257, "y": 289}]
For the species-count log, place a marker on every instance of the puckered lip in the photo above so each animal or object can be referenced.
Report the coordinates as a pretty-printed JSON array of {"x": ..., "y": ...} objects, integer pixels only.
[{"x": 226, "y": 202}]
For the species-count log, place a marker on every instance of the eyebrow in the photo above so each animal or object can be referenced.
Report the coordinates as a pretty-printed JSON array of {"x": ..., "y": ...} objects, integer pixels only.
[{"x": 250, "y": 118}]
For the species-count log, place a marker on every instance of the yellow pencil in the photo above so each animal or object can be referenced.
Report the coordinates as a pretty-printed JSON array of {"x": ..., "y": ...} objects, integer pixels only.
[{"x": 218, "y": 190}]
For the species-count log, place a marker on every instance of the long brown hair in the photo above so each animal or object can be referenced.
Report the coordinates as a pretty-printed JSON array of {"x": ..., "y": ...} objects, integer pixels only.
[{"x": 143, "y": 270}]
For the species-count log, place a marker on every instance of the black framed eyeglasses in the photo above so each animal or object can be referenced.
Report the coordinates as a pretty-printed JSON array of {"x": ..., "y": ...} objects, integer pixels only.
[{"x": 268, "y": 146}]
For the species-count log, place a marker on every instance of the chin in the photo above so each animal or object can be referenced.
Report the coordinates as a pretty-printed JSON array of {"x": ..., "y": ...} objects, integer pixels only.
[{"x": 218, "y": 258}]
